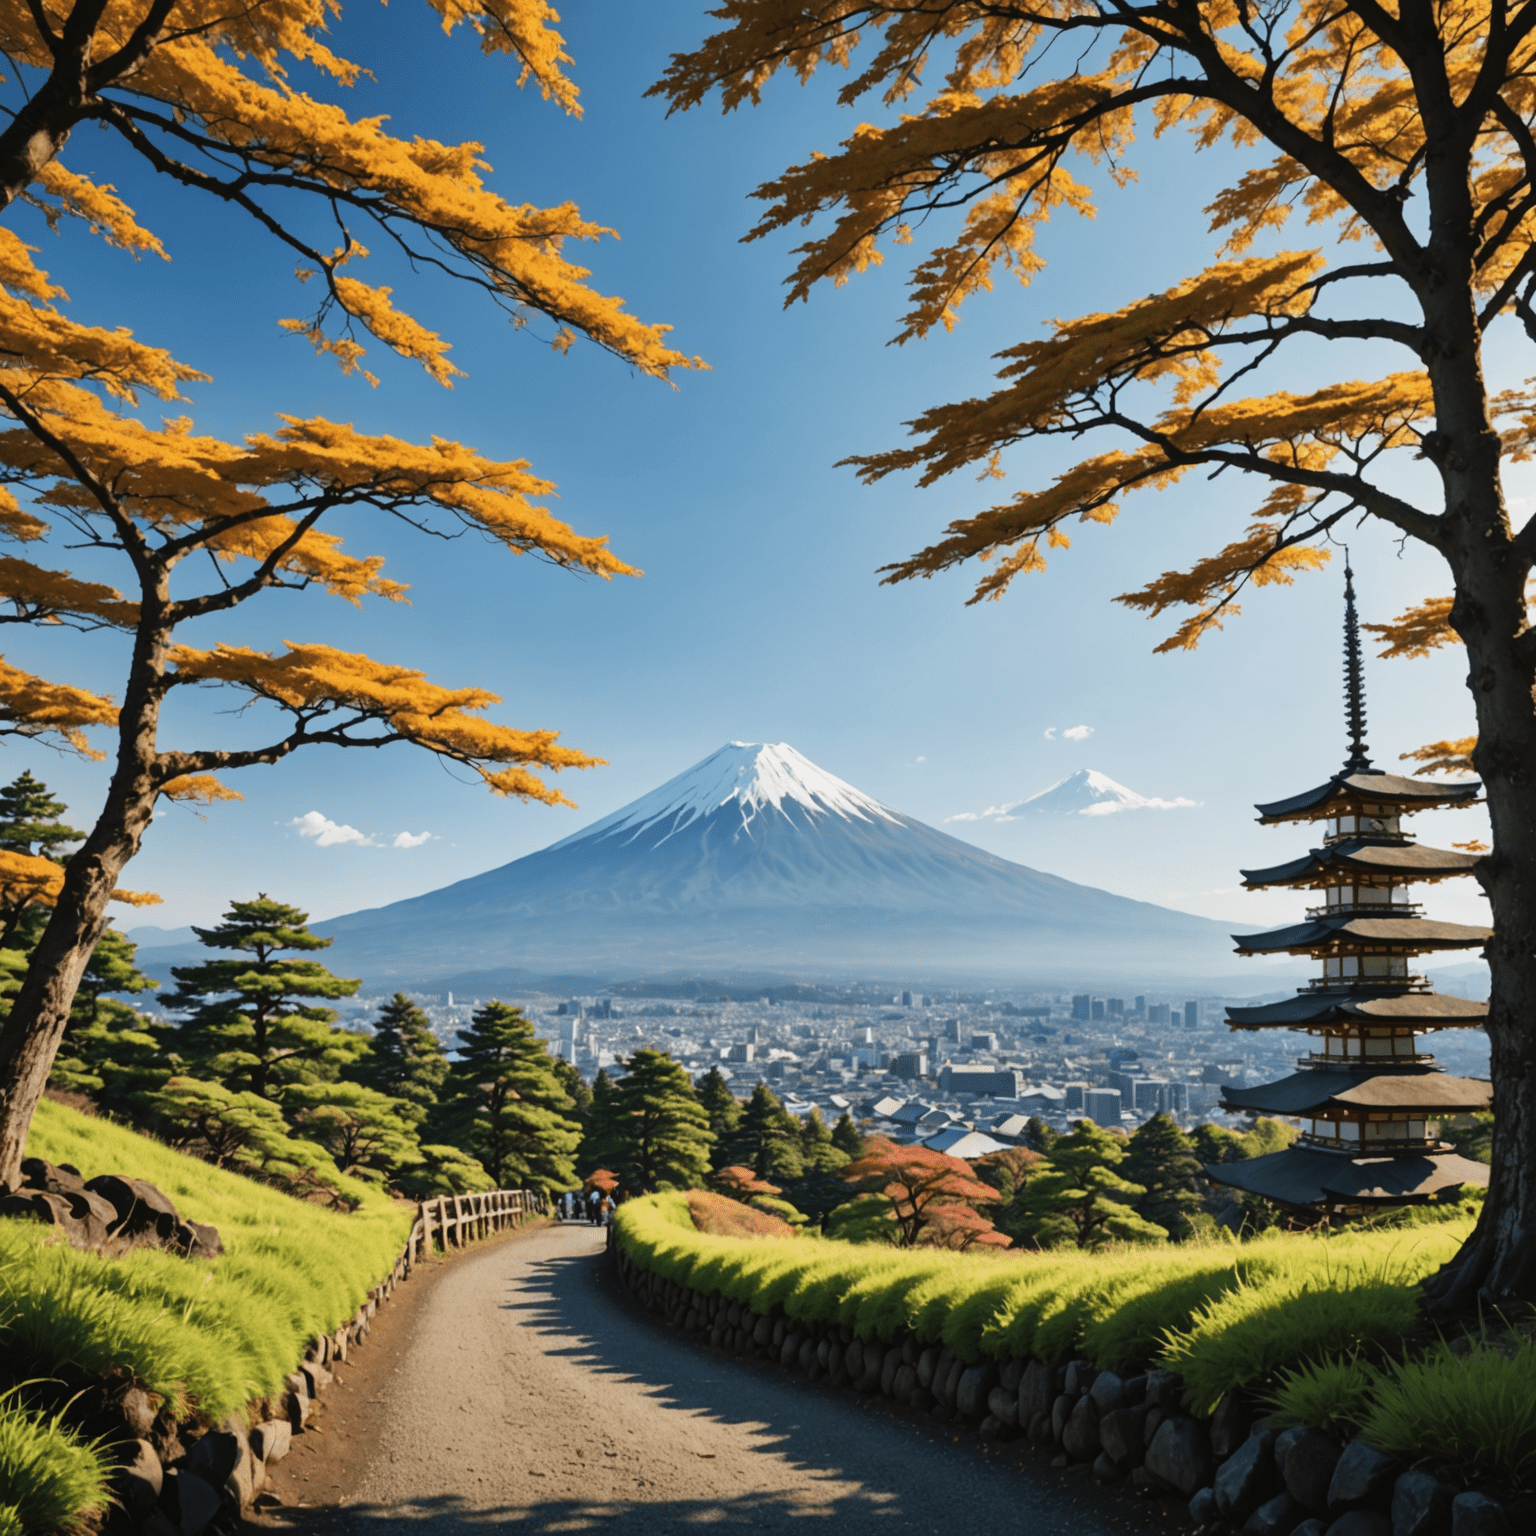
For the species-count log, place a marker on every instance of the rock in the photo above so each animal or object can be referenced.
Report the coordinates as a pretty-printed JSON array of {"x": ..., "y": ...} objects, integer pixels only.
[
  {"x": 51, "y": 1209},
  {"x": 971, "y": 1390},
  {"x": 1164, "y": 1389},
  {"x": 1229, "y": 1424},
  {"x": 198, "y": 1240},
  {"x": 139, "y": 1209},
  {"x": 922, "y": 1400},
  {"x": 141, "y": 1477},
  {"x": 1312, "y": 1527},
  {"x": 1475, "y": 1514},
  {"x": 993, "y": 1430},
  {"x": 1152, "y": 1423},
  {"x": 1421, "y": 1506},
  {"x": 270, "y": 1440},
  {"x": 158, "y": 1523},
  {"x": 1061, "y": 1411},
  {"x": 1080, "y": 1374},
  {"x": 1039, "y": 1433},
  {"x": 853, "y": 1359},
  {"x": 215, "y": 1456},
  {"x": 1283, "y": 1443},
  {"x": 1357, "y": 1522},
  {"x": 890, "y": 1369},
  {"x": 762, "y": 1334},
  {"x": 789, "y": 1351},
  {"x": 1003, "y": 1405},
  {"x": 1122, "y": 1435},
  {"x": 1362, "y": 1476},
  {"x": 1009, "y": 1374},
  {"x": 824, "y": 1353},
  {"x": 1136, "y": 1390},
  {"x": 904, "y": 1383},
  {"x": 1275, "y": 1517},
  {"x": 138, "y": 1410},
  {"x": 39, "y": 1173},
  {"x": 300, "y": 1408},
  {"x": 316, "y": 1377},
  {"x": 1180, "y": 1455},
  {"x": 1202, "y": 1508},
  {"x": 1036, "y": 1390},
  {"x": 197, "y": 1501},
  {"x": 1080, "y": 1436},
  {"x": 946, "y": 1377},
  {"x": 1107, "y": 1392},
  {"x": 927, "y": 1363},
  {"x": 1104, "y": 1469},
  {"x": 1246, "y": 1478},
  {"x": 1309, "y": 1469}
]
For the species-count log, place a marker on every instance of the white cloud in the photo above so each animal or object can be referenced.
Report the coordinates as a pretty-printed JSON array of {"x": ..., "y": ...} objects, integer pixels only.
[
  {"x": 410, "y": 839},
  {"x": 1077, "y": 733},
  {"x": 328, "y": 833},
  {"x": 1050, "y": 733}
]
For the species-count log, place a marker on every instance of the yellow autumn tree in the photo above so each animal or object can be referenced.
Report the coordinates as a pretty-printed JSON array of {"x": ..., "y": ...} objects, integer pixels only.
[
  {"x": 1400, "y": 133},
  {"x": 201, "y": 95}
]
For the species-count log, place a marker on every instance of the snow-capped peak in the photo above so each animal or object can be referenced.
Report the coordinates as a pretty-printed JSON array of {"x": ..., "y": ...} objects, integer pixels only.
[
  {"x": 752, "y": 774},
  {"x": 1084, "y": 793}
]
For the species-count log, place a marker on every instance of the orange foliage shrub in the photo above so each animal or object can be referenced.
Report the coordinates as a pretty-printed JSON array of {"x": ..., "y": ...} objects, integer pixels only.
[{"x": 723, "y": 1217}]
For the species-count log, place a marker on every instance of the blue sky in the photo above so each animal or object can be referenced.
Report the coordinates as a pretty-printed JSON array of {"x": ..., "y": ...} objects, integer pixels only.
[{"x": 759, "y": 616}]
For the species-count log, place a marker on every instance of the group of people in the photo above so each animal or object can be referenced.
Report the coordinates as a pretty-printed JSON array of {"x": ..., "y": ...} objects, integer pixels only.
[{"x": 594, "y": 1206}]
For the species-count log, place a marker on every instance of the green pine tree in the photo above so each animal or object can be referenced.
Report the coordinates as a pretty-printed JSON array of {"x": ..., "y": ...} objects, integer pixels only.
[
  {"x": 768, "y": 1138},
  {"x": 576, "y": 1086},
  {"x": 405, "y": 1059},
  {"x": 659, "y": 1136},
  {"x": 723, "y": 1109},
  {"x": 817, "y": 1149},
  {"x": 246, "y": 1022},
  {"x": 846, "y": 1137},
  {"x": 509, "y": 1107},
  {"x": 1038, "y": 1136},
  {"x": 1161, "y": 1158},
  {"x": 29, "y": 824},
  {"x": 1076, "y": 1196},
  {"x": 368, "y": 1134}
]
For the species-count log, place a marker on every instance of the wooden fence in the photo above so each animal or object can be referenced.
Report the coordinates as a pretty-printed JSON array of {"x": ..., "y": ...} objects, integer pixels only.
[{"x": 451, "y": 1221}]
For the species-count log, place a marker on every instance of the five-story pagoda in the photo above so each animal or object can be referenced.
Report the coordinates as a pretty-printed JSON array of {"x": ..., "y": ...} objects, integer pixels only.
[{"x": 1367, "y": 1097}]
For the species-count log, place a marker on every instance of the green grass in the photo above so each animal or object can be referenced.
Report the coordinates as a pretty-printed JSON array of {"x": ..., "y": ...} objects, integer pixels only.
[
  {"x": 206, "y": 1334},
  {"x": 1220, "y": 1313},
  {"x": 1325, "y": 1394},
  {"x": 49, "y": 1477},
  {"x": 1475, "y": 1406}
]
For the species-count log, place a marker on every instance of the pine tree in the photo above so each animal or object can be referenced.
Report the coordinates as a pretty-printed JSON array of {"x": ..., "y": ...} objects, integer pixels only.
[
  {"x": 1161, "y": 1158},
  {"x": 576, "y": 1086},
  {"x": 243, "y": 1021},
  {"x": 660, "y": 1130},
  {"x": 368, "y": 1134},
  {"x": 846, "y": 1137},
  {"x": 768, "y": 1138},
  {"x": 1038, "y": 1136},
  {"x": 405, "y": 1059},
  {"x": 1075, "y": 1195},
  {"x": 600, "y": 1135},
  {"x": 818, "y": 1151},
  {"x": 30, "y": 827},
  {"x": 723, "y": 1109},
  {"x": 508, "y": 1106}
]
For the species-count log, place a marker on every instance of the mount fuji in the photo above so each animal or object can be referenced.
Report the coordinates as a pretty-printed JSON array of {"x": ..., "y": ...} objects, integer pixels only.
[
  {"x": 755, "y": 862},
  {"x": 1084, "y": 793}
]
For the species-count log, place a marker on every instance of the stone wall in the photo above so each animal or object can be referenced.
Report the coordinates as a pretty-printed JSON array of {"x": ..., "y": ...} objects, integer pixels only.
[{"x": 1238, "y": 1470}]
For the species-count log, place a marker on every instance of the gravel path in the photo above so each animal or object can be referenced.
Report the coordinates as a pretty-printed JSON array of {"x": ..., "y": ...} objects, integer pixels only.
[{"x": 531, "y": 1391}]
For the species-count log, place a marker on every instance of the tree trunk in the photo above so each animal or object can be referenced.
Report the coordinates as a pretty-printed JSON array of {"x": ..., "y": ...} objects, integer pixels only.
[
  {"x": 1497, "y": 1265},
  {"x": 30, "y": 1038}
]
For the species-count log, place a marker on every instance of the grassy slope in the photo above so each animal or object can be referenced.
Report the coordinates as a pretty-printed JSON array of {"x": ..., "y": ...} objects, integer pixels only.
[
  {"x": 1220, "y": 1314},
  {"x": 212, "y": 1333}
]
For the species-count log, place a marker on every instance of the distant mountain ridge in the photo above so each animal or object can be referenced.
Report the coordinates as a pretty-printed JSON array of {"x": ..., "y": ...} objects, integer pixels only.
[
  {"x": 1084, "y": 793},
  {"x": 756, "y": 861}
]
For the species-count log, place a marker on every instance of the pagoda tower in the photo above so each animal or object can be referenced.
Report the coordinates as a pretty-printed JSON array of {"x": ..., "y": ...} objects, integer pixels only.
[{"x": 1367, "y": 1096}]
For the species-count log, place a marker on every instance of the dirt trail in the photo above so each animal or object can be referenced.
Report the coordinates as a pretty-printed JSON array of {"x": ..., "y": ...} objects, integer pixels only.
[{"x": 522, "y": 1387}]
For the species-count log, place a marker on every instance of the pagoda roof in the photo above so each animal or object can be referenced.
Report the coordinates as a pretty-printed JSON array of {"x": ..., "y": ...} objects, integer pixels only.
[
  {"x": 1320, "y": 933},
  {"x": 1408, "y": 861},
  {"x": 1303, "y": 1178},
  {"x": 1378, "y": 788},
  {"x": 1407, "y": 1087},
  {"x": 1426, "y": 1009}
]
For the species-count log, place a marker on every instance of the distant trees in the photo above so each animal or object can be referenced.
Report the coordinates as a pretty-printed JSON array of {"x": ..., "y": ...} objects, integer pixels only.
[
  {"x": 768, "y": 1138},
  {"x": 508, "y": 1105},
  {"x": 929, "y": 1197},
  {"x": 650, "y": 1128},
  {"x": 846, "y": 1136},
  {"x": 723, "y": 1109},
  {"x": 1076, "y": 1196},
  {"x": 1161, "y": 1158},
  {"x": 405, "y": 1059}
]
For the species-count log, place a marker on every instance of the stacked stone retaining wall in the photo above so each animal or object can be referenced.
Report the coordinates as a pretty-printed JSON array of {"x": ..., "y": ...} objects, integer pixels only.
[{"x": 1238, "y": 1469}]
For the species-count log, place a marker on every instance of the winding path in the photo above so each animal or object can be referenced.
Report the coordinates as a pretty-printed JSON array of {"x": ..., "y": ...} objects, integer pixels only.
[{"x": 523, "y": 1388}]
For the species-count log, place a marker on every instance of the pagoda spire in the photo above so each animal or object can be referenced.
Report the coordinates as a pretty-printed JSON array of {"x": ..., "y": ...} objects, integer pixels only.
[{"x": 1354, "y": 681}]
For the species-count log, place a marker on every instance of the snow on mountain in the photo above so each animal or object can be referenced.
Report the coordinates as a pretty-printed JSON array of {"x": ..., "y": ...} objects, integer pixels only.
[
  {"x": 753, "y": 776},
  {"x": 1084, "y": 793},
  {"x": 756, "y": 861}
]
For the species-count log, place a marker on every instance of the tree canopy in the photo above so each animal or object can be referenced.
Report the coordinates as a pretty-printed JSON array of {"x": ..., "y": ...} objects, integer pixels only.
[
  {"x": 198, "y": 98},
  {"x": 654, "y": 1132}
]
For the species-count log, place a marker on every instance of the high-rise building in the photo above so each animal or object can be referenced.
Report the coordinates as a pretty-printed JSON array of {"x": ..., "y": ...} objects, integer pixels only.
[
  {"x": 911, "y": 1064},
  {"x": 1191, "y": 1015},
  {"x": 743, "y": 1051},
  {"x": 1173, "y": 1098},
  {"x": 1102, "y": 1106},
  {"x": 952, "y": 1030},
  {"x": 1082, "y": 1006},
  {"x": 1115, "y": 1007},
  {"x": 984, "y": 1042},
  {"x": 1076, "y": 1096},
  {"x": 1098, "y": 1008},
  {"x": 1368, "y": 1099},
  {"x": 1141, "y": 1005},
  {"x": 1157, "y": 1013}
]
